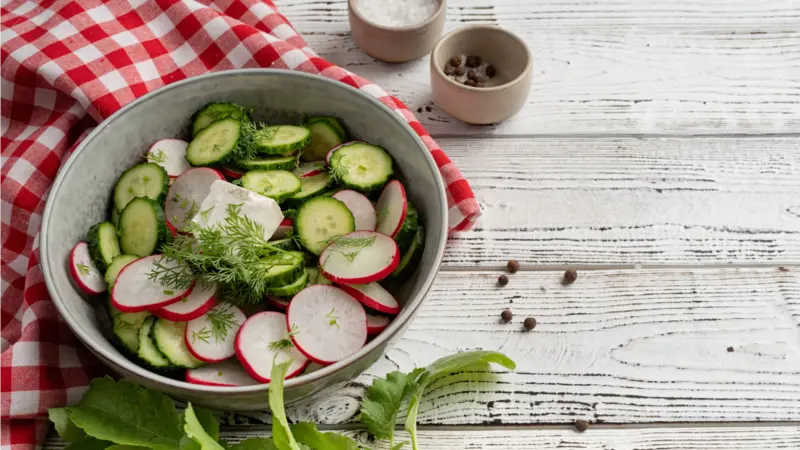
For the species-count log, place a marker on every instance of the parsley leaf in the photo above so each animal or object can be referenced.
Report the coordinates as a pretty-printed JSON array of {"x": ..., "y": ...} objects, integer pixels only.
[
  {"x": 202, "y": 428},
  {"x": 308, "y": 434},
  {"x": 382, "y": 403},
  {"x": 66, "y": 430},
  {"x": 124, "y": 413}
]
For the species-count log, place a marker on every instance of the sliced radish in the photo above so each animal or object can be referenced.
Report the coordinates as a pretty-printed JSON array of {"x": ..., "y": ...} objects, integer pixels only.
[
  {"x": 392, "y": 207},
  {"x": 310, "y": 169},
  {"x": 264, "y": 340},
  {"x": 194, "y": 305},
  {"x": 135, "y": 291},
  {"x": 359, "y": 257},
  {"x": 171, "y": 155},
  {"x": 231, "y": 172},
  {"x": 83, "y": 271},
  {"x": 210, "y": 337},
  {"x": 172, "y": 229},
  {"x": 374, "y": 296},
  {"x": 278, "y": 303},
  {"x": 187, "y": 193},
  {"x": 329, "y": 325},
  {"x": 360, "y": 206},
  {"x": 283, "y": 230},
  {"x": 376, "y": 324},
  {"x": 225, "y": 373}
]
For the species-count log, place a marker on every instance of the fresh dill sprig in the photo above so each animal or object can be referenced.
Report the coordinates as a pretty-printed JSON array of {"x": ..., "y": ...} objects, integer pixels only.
[
  {"x": 251, "y": 136},
  {"x": 158, "y": 157},
  {"x": 285, "y": 343},
  {"x": 83, "y": 269},
  {"x": 354, "y": 246},
  {"x": 334, "y": 320}
]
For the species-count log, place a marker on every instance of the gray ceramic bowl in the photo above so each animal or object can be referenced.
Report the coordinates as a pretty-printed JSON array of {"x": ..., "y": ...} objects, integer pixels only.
[{"x": 82, "y": 191}]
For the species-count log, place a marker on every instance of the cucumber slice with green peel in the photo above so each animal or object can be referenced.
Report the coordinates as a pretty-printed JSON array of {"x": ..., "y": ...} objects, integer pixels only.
[
  {"x": 326, "y": 133},
  {"x": 275, "y": 184},
  {"x": 321, "y": 220},
  {"x": 284, "y": 244},
  {"x": 291, "y": 288},
  {"x": 215, "y": 144},
  {"x": 169, "y": 339},
  {"x": 410, "y": 259},
  {"x": 283, "y": 268},
  {"x": 361, "y": 166},
  {"x": 408, "y": 229},
  {"x": 274, "y": 163},
  {"x": 142, "y": 180},
  {"x": 280, "y": 139},
  {"x": 147, "y": 351},
  {"x": 216, "y": 111},
  {"x": 126, "y": 327},
  {"x": 103, "y": 244},
  {"x": 114, "y": 216},
  {"x": 117, "y": 264},
  {"x": 142, "y": 227},
  {"x": 310, "y": 187}
]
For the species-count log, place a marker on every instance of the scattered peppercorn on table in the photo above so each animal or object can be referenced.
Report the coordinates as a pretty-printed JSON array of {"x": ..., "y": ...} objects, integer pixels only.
[{"x": 639, "y": 250}]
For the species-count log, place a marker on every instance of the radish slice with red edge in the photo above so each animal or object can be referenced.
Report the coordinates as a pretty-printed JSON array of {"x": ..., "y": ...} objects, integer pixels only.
[
  {"x": 135, "y": 291},
  {"x": 84, "y": 272},
  {"x": 210, "y": 337},
  {"x": 392, "y": 207},
  {"x": 171, "y": 155},
  {"x": 172, "y": 229},
  {"x": 281, "y": 304},
  {"x": 192, "y": 306},
  {"x": 374, "y": 296},
  {"x": 187, "y": 193},
  {"x": 328, "y": 324},
  {"x": 310, "y": 169},
  {"x": 226, "y": 373},
  {"x": 283, "y": 230},
  {"x": 231, "y": 172},
  {"x": 376, "y": 324},
  {"x": 360, "y": 206},
  {"x": 359, "y": 257},
  {"x": 263, "y": 341}
]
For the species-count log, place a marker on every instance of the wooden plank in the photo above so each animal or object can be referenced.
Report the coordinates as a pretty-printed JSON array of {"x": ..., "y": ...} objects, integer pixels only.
[
  {"x": 600, "y": 438},
  {"x": 624, "y": 201},
  {"x": 623, "y": 67},
  {"x": 630, "y": 346}
]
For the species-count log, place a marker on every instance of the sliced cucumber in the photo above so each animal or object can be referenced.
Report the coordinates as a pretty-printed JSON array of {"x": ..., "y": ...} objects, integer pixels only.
[
  {"x": 215, "y": 143},
  {"x": 116, "y": 265},
  {"x": 148, "y": 351},
  {"x": 142, "y": 180},
  {"x": 361, "y": 166},
  {"x": 405, "y": 237},
  {"x": 126, "y": 327},
  {"x": 103, "y": 244},
  {"x": 291, "y": 288},
  {"x": 316, "y": 277},
  {"x": 114, "y": 216},
  {"x": 326, "y": 133},
  {"x": 275, "y": 184},
  {"x": 169, "y": 339},
  {"x": 410, "y": 259},
  {"x": 281, "y": 139},
  {"x": 215, "y": 111},
  {"x": 310, "y": 187},
  {"x": 142, "y": 227},
  {"x": 320, "y": 220},
  {"x": 284, "y": 244},
  {"x": 283, "y": 269},
  {"x": 274, "y": 163}
]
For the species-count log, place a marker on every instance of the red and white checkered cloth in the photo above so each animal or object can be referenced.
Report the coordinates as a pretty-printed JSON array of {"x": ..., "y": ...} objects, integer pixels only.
[{"x": 67, "y": 65}]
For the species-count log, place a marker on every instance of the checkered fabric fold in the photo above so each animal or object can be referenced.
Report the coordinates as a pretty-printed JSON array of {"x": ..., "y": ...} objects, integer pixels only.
[{"x": 67, "y": 65}]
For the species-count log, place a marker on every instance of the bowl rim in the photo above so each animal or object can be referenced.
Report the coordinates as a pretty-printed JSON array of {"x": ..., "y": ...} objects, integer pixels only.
[
  {"x": 400, "y": 321},
  {"x": 351, "y": 6},
  {"x": 470, "y": 28}
]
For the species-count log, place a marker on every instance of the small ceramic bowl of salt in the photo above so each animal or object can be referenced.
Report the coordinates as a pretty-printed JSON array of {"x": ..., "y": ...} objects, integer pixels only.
[{"x": 396, "y": 30}]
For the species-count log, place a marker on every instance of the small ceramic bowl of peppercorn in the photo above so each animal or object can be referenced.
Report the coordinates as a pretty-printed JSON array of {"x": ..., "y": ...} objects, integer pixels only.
[{"x": 481, "y": 74}]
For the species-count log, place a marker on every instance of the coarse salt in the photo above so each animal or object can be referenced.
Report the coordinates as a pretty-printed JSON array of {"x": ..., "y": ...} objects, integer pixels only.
[{"x": 397, "y": 13}]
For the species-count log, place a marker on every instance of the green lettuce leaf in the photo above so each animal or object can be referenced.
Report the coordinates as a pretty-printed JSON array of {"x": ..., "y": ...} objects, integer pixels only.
[
  {"x": 195, "y": 430},
  {"x": 124, "y": 413},
  {"x": 383, "y": 401},
  {"x": 66, "y": 430},
  {"x": 90, "y": 443},
  {"x": 255, "y": 444},
  {"x": 281, "y": 433},
  {"x": 121, "y": 447},
  {"x": 308, "y": 434},
  {"x": 440, "y": 367}
]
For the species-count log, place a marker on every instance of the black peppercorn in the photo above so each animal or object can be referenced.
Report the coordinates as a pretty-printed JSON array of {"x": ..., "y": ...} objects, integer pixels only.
[
  {"x": 479, "y": 79},
  {"x": 449, "y": 70},
  {"x": 428, "y": 109},
  {"x": 491, "y": 71},
  {"x": 502, "y": 280},
  {"x": 529, "y": 323},
  {"x": 570, "y": 276},
  {"x": 455, "y": 61},
  {"x": 460, "y": 71},
  {"x": 419, "y": 110},
  {"x": 506, "y": 315},
  {"x": 472, "y": 75},
  {"x": 473, "y": 61},
  {"x": 581, "y": 425},
  {"x": 730, "y": 349},
  {"x": 512, "y": 266}
]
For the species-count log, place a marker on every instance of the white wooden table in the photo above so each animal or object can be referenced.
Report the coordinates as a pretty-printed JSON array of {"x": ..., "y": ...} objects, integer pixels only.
[{"x": 659, "y": 154}]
